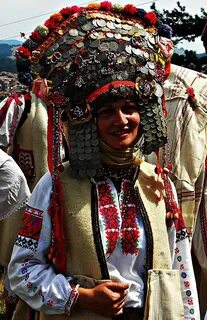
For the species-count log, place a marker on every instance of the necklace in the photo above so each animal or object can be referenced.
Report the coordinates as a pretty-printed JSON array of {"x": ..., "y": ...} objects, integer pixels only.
[{"x": 119, "y": 173}]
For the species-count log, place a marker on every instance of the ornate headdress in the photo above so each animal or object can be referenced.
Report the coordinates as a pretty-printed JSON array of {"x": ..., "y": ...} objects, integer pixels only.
[{"x": 81, "y": 54}]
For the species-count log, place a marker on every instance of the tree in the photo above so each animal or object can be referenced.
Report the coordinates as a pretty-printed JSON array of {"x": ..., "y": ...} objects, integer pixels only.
[{"x": 185, "y": 26}]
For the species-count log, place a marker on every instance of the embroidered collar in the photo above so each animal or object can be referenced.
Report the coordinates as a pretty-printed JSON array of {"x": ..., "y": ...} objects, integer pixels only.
[{"x": 119, "y": 215}]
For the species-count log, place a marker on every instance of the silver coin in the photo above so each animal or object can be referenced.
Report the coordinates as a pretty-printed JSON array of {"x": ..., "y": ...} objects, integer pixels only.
[
  {"x": 81, "y": 33},
  {"x": 91, "y": 172},
  {"x": 61, "y": 40},
  {"x": 87, "y": 143},
  {"x": 87, "y": 136},
  {"x": 159, "y": 90},
  {"x": 146, "y": 54},
  {"x": 94, "y": 35},
  {"x": 103, "y": 46},
  {"x": 79, "y": 44},
  {"x": 152, "y": 72},
  {"x": 88, "y": 149},
  {"x": 73, "y": 32},
  {"x": 117, "y": 25},
  {"x": 113, "y": 46},
  {"x": 151, "y": 65},
  {"x": 87, "y": 26},
  {"x": 82, "y": 19},
  {"x": 95, "y": 150},
  {"x": 110, "y": 25},
  {"x": 151, "y": 39},
  {"x": 146, "y": 127},
  {"x": 95, "y": 22},
  {"x": 122, "y": 31},
  {"x": 136, "y": 51},
  {"x": 80, "y": 144},
  {"x": 69, "y": 41},
  {"x": 117, "y": 36},
  {"x": 128, "y": 49},
  {"x": 72, "y": 51},
  {"x": 101, "y": 22},
  {"x": 94, "y": 43},
  {"x": 49, "y": 52},
  {"x": 126, "y": 27},
  {"x": 144, "y": 70},
  {"x": 109, "y": 35},
  {"x": 88, "y": 156},
  {"x": 142, "y": 32},
  {"x": 81, "y": 156},
  {"x": 133, "y": 61},
  {"x": 80, "y": 137}
]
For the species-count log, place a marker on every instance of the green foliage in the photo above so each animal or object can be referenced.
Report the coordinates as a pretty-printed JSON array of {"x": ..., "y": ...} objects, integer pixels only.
[{"x": 185, "y": 26}]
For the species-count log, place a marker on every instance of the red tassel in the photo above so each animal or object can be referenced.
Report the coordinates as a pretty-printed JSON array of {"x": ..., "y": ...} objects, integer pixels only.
[
  {"x": 58, "y": 255},
  {"x": 50, "y": 138},
  {"x": 164, "y": 107}
]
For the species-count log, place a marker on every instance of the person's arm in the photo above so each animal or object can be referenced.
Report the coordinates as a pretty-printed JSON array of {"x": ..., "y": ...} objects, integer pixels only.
[
  {"x": 33, "y": 278},
  {"x": 31, "y": 275},
  {"x": 14, "y": 191},
  {"x": 182, "y": 261}
]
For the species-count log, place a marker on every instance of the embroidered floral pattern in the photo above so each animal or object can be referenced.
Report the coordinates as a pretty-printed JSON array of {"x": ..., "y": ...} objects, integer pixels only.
[
  {"x": 109, "y": 212},
  {"x": 112, "y": 213},
  {"x": 29, "y": 233},
  {"x": 186, "y": 282},
  {"x": 130, "y": 230}
]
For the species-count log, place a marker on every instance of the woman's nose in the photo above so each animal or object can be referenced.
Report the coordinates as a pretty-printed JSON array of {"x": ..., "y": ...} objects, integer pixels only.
[{"x": 120, "y": 118}]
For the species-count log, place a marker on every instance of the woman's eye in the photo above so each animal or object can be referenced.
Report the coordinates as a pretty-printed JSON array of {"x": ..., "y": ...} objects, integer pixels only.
[
  {"x": 130, "y": 108},
  {"x": 105, "y": 112}
]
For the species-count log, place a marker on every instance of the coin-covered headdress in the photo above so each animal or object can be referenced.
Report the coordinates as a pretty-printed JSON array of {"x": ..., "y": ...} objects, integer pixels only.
[{"x": 83, "y": 53}]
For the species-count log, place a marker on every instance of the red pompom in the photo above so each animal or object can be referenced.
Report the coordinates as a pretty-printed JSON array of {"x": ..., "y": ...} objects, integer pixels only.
[
  {"x": 69, "y": 10},
  {"x": 106, "y": 5},
  {"x": 151, "y": 18},
  {"x": 57, "y": 17},
  {"x": 129, "y": 8},
  {"x": 23, "y": 52},
  {"x": 51, "y": 24},
  {"x": 36, "y": 36}
]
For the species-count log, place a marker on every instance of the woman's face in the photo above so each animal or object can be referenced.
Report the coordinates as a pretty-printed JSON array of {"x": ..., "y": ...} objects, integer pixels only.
[{"x": 118, "y": 123}]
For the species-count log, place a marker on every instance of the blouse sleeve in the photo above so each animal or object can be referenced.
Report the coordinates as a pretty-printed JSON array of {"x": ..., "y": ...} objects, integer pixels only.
[
  {"x": 14, "y": 191},
  {"x": 182, "y": 261},
  {"x": 31, "y": 276}
]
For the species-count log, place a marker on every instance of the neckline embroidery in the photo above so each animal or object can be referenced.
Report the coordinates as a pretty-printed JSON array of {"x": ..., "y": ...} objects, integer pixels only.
[{"x": 119, "y": 216}]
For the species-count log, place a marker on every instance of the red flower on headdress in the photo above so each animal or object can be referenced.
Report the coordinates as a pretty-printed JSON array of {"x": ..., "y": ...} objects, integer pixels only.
[
  {"x": 129, "y": 8},
  {"x": 69, "y": 10},
  {"x": 106, "y": 5},
  {"x": 23, "y": 52},
  {"x": 36, "y": 36},
  {"x": 51, "y": 24},
  {"x": 151, "y": 18},
  {"x": 57, "y": 17}
]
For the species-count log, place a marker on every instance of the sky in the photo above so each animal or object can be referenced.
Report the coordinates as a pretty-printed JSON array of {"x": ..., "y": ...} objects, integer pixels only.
[{"x": 40, "y": 10}]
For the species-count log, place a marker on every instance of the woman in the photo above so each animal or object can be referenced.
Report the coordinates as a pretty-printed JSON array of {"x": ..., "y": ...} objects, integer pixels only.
[{"x": 94, "y": 243}]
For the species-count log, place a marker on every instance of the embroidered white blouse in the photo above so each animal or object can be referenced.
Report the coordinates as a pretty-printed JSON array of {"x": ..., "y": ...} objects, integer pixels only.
[
  {"x": 35, "y": 281},
  {"x": 14, "y": 191}
]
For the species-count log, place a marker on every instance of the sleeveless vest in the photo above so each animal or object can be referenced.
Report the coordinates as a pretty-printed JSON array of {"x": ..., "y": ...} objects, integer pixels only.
[{"x": 82, "y": 234}]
